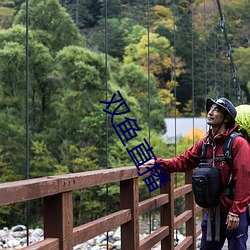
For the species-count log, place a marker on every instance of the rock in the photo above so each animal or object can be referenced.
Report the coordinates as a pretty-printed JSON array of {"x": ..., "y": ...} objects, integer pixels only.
[
  {"x": 117, "y": 244},
  {"x": 3, "y": 233},
  {"x": 95, "y": 248},
  {"x": 103, "y": 243},
  {"x": 13, "y": 243},
  {"x": 81, "y": 246},
  {"x": 91, "y": 242},
  {"x": 111, "y": 233},
  {"x": 18, "y": 247},
  {"x": 16, "y": 238},
  {"x": 18, "y": 234},
  {"x": 111, "y": 240},
  {"x": 100, "y": 238},
  {"x": 23, "y": 240},
  {"x": 18, "y": 228},
  {"x": 117, "y": 235},
  {"x": 38, "y": 232}
]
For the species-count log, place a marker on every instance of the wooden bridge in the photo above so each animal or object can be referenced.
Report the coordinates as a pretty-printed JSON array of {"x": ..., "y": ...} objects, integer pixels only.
[{"x": 59, "y": 233}]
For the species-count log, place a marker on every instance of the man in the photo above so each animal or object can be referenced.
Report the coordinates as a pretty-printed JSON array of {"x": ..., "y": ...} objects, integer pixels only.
[{"x": 221, "y": 115}]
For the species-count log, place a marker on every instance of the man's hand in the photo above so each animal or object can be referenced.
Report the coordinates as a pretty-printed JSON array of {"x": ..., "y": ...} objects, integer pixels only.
[
  {"x": 232, "y": 222},
  {"x": 150, "y": 163}
]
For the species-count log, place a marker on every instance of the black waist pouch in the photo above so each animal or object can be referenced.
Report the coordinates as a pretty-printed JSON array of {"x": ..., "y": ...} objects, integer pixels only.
[{"x": 206, "y": 183}]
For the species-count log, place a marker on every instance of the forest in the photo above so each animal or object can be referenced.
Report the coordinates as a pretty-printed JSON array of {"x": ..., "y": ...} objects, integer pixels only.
[{"x": 165, "y": 57}]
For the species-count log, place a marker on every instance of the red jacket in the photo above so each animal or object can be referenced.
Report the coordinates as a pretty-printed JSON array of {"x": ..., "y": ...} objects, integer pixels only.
[{"x": 241, "y": 167}]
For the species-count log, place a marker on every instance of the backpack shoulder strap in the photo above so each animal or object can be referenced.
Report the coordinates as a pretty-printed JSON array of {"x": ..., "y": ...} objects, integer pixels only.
[
  {"x": 203, "y": 152},
  {"x": 227, "y": 148}
]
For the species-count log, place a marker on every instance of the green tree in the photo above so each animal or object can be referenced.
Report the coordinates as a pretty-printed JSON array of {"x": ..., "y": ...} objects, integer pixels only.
[
  {"x": 6, "y": 17},
  {"x": 161, "y": 57},
  {"x": 117, "y": 31},
  {"x": 53, "y": 25},
  {"x": 132, "y": 77},
  {"x": 84, "y": 13},
  {"x": 241, "y": 56},
  {"x": 7, "y": 12},
  {"x": 42, "y": 163}
]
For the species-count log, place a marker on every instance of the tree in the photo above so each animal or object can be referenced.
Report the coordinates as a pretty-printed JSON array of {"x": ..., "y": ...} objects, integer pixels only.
[
  {"x": 40, "y": 60},
  {"x": 53, "y": 25},
  {"x": 161, "y": 16},
  {"x": 242, "y": 65},
  {"x": 84, "y": 13},
  {"x": 6, "y": 17},
  {"x": 132, "y": 77},
  {"x": 118, "y": 31},
  {"x": 161, "y": 57}
]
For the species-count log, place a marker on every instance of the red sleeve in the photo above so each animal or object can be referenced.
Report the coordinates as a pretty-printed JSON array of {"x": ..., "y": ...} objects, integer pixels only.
[
  {"x": 185, "y": 162},
  {"x": 241, "y": 175}
]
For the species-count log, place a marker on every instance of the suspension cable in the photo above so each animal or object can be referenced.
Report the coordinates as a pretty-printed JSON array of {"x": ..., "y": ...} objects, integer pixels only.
[
  {"x": 215, "y": 52},
  {"x": 221, "y": 68},
  {"x": 174, "y": 75},
  {"x": 106, "y": 82},
  {"x": 229, "y": 53},
  {"x": 192, "y": 77},
  {"x": 205, "y": 50},
  {"x": 149, "y": 122},
  {"x": 175, "y": 95},
  {"x": 27, "y": 207}
]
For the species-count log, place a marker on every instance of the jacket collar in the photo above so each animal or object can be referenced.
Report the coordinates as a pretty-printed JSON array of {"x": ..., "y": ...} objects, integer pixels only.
[{"x": 221, "y": 136}]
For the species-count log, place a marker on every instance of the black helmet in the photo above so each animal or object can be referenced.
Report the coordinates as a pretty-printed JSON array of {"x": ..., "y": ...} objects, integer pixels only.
[{"x": 223, "y": 103}]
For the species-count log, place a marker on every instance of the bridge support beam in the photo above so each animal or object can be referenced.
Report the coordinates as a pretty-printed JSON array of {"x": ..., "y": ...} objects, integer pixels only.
[
  {"x": 129, "y": 198},
  {"x": 167, "y": 215},
  {"x": 190, "y": 205},
  {"x": 58, "y": 219}
]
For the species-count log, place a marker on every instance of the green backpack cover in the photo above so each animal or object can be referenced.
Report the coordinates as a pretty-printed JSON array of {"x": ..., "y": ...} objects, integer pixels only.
[{"x": 243, "y": 119}]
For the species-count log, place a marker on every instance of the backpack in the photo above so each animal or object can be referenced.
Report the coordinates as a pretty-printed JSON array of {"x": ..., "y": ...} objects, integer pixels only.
[
  {"x": 206, "y": 179},
  {"x": 243, "y": 120}
]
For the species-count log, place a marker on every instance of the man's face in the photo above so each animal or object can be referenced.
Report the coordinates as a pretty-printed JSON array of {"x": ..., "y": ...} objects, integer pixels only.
[{"x": 215, "y": 116}]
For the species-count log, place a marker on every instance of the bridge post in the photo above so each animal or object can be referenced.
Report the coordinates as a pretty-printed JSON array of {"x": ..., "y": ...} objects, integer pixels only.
[
  {"x": 58, "y": 219},
  {"x": 129, "y": 198},
  {"x": 190, "y": 205},
  {"x": 167, "y": 215}
]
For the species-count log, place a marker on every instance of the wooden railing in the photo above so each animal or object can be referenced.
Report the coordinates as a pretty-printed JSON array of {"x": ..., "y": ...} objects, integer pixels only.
[{"x": 59, "y": 232}]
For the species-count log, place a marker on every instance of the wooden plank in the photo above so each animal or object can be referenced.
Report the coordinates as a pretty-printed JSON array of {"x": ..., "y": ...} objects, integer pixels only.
[
  {"x": 182, "y": 218},
  {"x": 190, "y": 205},
  {"x": 182, "y": 190},
  {"x": 129, "y": 199},
  {"x": 58, "y": 219},
  {"x": 154, "y": 238},
  {"x": 152, "y": 203},
  {"x": 198, "y": 208},
  {"x": 94, "y": 178},
  {"x": 24, "y": 190},
  {"x": 46, "y": 244},
  {"x": 166, "y": 215},
  {"x": 185, "y": 244},
  {"x": 198, "y": 231},
  {"x": 90, "y": 230}
]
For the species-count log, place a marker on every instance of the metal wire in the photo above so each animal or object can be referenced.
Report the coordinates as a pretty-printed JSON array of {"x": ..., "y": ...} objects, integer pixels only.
[
  {"x": 236, "y": 82},
  {"x": 106, "y": 81},
  {"x": 27, "y": 207},
  {"x": 175, "y": 107},
  {"x": 148, "y": 27},
  {"x": 215, "y": 51},
  {"x": 205, "y": 50},
  {"x": 192, "y": 77}
]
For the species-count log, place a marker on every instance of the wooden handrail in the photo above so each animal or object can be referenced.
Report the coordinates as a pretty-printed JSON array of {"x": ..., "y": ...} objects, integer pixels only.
[{"x": 58, "y": 209}]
